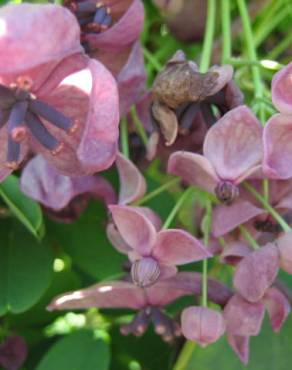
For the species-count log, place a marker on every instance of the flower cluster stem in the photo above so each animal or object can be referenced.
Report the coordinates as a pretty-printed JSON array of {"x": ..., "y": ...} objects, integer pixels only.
[
  {"x": 185, "y": 355},
  {"x": 248, "y": 237},
  {"x": 124, "y": 137},
  {"x": 139, "y": 126},
  {"x": 268, "y": 207},
  {"x": 209, "y": 36},
  {"x": 226, "y": 30}
]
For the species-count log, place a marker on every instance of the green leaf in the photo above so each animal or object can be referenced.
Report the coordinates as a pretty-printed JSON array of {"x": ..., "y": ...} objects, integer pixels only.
[
  {"x": 24, "y": 208},
  {"x": 25, "y": 268},
  {"x": 77, "y": 351},
  {"x": 268, "y": 351},
  {"x": 86, "y": 242}
]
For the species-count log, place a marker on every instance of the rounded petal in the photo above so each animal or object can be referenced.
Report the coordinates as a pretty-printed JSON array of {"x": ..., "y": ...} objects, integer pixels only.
[
  {"x": 202, "y": 325},
  {"x": 234, "y": 144},
  {"x": 24, "y": 43},
  {"x": 284, "y": 244},
  {"x": 225, "y": 74},
  {"x": 151, "y": 215},
  {"x": 116, "y": 239},
  {"x": 240, "y": 345},
  {"x": 136, "y": 229},
  {"x": 282, "y": 90},
  {"x": 42, "y": 182},
  {"x": 234, "y": 252},
  {"x": 178, "y": 247},
  {"x": 242, "y": 317},
  {"x": 227, "y": 218},
  {"x": 123, "y": 33},
  {"x": 117, "y": 294},
  {"x": 194, "y": 169},
  {"x": 256, "y": 272},
  {"x": 277, "y": 139},
  {"x": 132, "y": 182},
  {"x": 278, "y": 307}
]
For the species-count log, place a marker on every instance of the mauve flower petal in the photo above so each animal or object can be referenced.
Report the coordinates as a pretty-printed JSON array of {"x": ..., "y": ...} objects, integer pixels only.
[
  {"x": 135, "y": 228},
  {"x": 194, "y": 169},
  {"x": 240, "y": 345},
  {"x": 242, "y": 317},
  {"x": 277, "y": 139},
  {"x": 116, "y": 239},
  {"x": 178, "y": 247},
  {"x": 227, "y": 218},
  {"x": 234, "y": 144},
  {"x": 284, "y": 244},
  {"x": 234, "y": 252},
  {"x": 202, "y": 325},
  {"x": 167, "y": 271},
  {"x": 131, "y": 79},
  {"x": 24, "y": 42},
  {"x": 256, "y": 272},
  {"x": 282, "y": 89},
  {"x": 117, "y": 294},
  {"x": 151, "y": 215},
  {"x": 225, "y": 74},
  {"x": 278, "y": 307},
  {"x": 132, "y": 182},
  {"x": 42, "y": 182},
  {"x": 123, "y": 33},
  {"x": 13, "y": 352}
]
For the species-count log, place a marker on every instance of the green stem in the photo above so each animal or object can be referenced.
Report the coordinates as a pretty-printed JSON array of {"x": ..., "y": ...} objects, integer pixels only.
[
  {"x": 177, "y": 207},
  {"x": 265, "y": 63},
  {"x": 152, "y": 60},
  {"x": 266, "y": 189},
  {"x": 280, "y": 48},
  {"x": 185, "y": 356},
  {"x": 251, "y": 51},
  {"x": 268, "y": 207},
  {"x": 157, "y": 191},
  {"x": 248, "y": 237},
  {"x": 209, "y": 36},
  {"x": 124, "y": 137},
  {"x": 226, "y": 30},
  {"x": 139, "y": 127}
]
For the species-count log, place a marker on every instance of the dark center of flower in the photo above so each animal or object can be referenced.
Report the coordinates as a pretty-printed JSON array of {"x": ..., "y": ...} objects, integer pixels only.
[
  {"x": 145, "y": 271},
  {"x": 226, "y": 192},
  {"x": 22, "y": 112},
  {"x": 92, "y": 16},
  {"x": 163, "y": 325},
  {"x": 268, "y": 224}
]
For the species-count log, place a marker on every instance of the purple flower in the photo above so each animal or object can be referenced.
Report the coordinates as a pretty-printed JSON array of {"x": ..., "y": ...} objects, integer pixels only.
[
  {"x": 148, "y": 301},
  {"x": 57, "y": 102},
  {"x": 63, "y": 197},
  {"x": 232, "y": 152},
  {"x": 154, "y": 254},
  {"x": 203, "y": 325},
  {"x": 13, "y": 352},
  {"x": 281, "y": 90}
]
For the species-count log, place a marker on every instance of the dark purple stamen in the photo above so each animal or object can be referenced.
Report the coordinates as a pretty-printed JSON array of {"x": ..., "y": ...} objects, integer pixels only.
[
  {"x": 50, "y": 114},
  {"x": 208, "y": 114},
  {"x": 84, "y": 20},
  {"x": 100, "y": 15},
  {"x": 85, "y": 7},
  {"x": 107, "y": 21},
  {"x": 138, "y": 326},
  {"x": 40, "y": 132},
  {"x": 4, "y": 115},
  {"x": 188, "y": 116},
  {"x": 16, "y": 117},
  {"x": 13, "y": 151},
  {"x": 6, "y": 97}
]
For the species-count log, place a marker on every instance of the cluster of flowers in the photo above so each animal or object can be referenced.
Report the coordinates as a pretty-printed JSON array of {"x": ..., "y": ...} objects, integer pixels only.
[{"x": 65, "y": 102}]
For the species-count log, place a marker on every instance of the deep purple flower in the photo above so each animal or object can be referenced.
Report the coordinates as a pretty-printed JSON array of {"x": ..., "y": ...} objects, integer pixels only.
[
  {"x": 154, "y": 254},
  {"x": 13, "y": 352},
  {"x": 232, "y": 152},
  {"x": 58, "y": 101}
]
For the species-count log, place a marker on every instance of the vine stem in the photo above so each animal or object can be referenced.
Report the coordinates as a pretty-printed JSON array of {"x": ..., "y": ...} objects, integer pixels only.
[
  {"x": 248, "y": 237},
  {"x": 157, "y": 191},
  {"x": 139, "y": 126},
  {"x": 226, "y": 30},
  {"x": 124, "y": 137},
  {"x": 268, "y": 207},
  {"x": 209, "y": 36},
  {"x": 185, "y": 355},
  {"x": 177, "y": 207}
]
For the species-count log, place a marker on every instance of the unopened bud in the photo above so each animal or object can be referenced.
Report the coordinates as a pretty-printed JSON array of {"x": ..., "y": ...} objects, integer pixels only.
[
  {"x": 226, "y": 192},
  {"x": 145, "y": 271}
]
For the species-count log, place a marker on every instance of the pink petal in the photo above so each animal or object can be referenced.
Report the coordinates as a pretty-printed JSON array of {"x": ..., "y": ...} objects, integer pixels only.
[
  {"x": 132, "y": 182},
  {"x": 240, "y": 346},
  {"x": 117, "y": 294},
  {"x": 284, "y": 244},
  {"x": 167, "y": 271},
  {"x": 131, "y": 79},
  {"x": 256, "y": 272},
  {"x": 278, "y": 307},
  {"x": 116, "y": 239},
  {"x": 225, "y": 74},
  {"x": 227, "y": 218},
  {"x": 151, "y": 215},
  {"x": 281, "y": 90},
  {"x": 178, "y": 247},
  {"x": 194, "y": 169},
  {"x": 277, "y": 139},
  {"x": 234, "y": 144},
  {"x": 135, "y": 228},
  {"x": 242, "y": 317},
  {"x": 202, "y": 325},
  {"x": 42, "y": 182},
  {"x": 122, "y": 33},
  {"x": 26, "y": 44},
  {"x": 234, "y": 252}
]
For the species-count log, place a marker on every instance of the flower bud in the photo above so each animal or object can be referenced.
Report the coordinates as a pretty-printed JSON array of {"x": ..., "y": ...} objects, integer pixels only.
[
  {"x": 145, "y": 271},
  {"x": 226, "y": 192}
]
